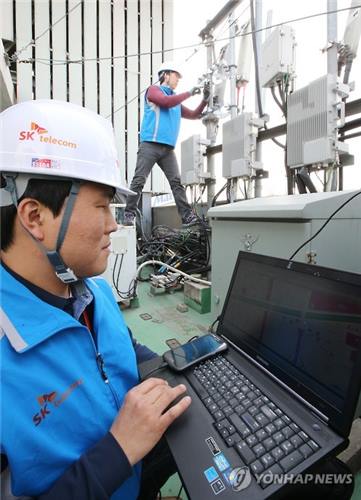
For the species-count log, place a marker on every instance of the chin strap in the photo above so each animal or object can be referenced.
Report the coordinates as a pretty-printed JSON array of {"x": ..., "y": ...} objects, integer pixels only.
[
  {"x": 65, "y": 274},
  {"x": 10, "y": 197}
]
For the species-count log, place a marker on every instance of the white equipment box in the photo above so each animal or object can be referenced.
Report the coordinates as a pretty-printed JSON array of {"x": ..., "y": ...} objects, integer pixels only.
[
  {"x": 239, "y": 146},
  {"x": 192, "y": 163},
  {"x": 314, "y": 114},
  {"x": 122, "y": 262},
  {"x": 278, "y": 56}
]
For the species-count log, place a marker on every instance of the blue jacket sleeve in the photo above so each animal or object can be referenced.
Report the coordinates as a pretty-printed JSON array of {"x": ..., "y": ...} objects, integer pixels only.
[
  {"x": 142, "y": 352},
  {"x": 95, "y": 476}
]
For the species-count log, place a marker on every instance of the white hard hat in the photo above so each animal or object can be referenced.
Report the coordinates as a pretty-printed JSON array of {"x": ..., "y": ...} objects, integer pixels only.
[
  {"x": 57, "y": 139},
  {"x": 169, "y": 66}
]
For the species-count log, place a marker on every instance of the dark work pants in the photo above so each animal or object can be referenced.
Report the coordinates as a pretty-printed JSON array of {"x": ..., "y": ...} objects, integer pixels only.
[
  {"x": 149, "y": 154},
  {"x": 157, "y": 467}
]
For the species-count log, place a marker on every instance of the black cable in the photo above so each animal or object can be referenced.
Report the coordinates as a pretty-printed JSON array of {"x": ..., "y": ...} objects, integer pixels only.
[
  {"x": 186, "y": 249},
  {"x": 113, "y": 274},
  {"x": 179, "y": 492},
  {"x": 327, "y": 221},
  {"x": 279, "y": 104},
  {"x": 218, "y": 194},
  {"x": 282, "y": 107},
  {"x": 273, "y": 139},
  {"x": 200, "y": 195},
  {"x": 304, "y": 175},
  {"x": 131, "y": 292},
  {"x": 119, "y": 269},
  {"x": 282, "y": 95},
  {"x": 300, "y": 184},
  {"x": 350, "y": 136},
  {"x": 214, "y": 322},
  {"x": 141, "y": 279},
  {"x": 161, "y": 367},
  {"x": 228, "y": 190}
]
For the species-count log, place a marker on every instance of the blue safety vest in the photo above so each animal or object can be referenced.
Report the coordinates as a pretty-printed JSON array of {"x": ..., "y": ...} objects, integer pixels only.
[
  {"x": 160, "y": 125},
  {"x": 55, "y": 404}
]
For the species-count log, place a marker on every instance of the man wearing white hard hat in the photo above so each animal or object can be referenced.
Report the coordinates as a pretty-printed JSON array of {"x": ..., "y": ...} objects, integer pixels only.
[
  {"x": 158, "y": 136},
  {"x": 75, "y": 422}
]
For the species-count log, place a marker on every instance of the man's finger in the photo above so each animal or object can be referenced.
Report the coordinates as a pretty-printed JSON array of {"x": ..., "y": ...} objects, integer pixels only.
[
  {"x": 148, "y": 385},
  {"x": 157, "y": 392},
  {"x": 175, "y": 411},
  {"x": 168, "y": 396}
]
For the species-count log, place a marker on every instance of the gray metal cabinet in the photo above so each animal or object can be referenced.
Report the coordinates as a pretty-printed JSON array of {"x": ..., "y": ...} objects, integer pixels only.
[{"x": 277, "y": 226}]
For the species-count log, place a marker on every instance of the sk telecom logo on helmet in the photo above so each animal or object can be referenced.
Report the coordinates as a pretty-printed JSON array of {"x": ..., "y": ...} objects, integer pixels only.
[{"x": 37, "y": 132}]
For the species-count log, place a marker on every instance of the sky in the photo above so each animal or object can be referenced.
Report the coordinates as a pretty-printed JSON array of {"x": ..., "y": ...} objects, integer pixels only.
[{"x": 311, "y": 63}]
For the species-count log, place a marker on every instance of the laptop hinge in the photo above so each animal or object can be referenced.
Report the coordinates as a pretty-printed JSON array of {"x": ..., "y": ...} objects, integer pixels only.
[{"x": 314, "y": 410}]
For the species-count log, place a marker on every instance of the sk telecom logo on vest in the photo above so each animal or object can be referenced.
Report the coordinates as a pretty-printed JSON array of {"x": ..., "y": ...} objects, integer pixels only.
[
  {"x": 37, "y": 132},
  {"x": 50, "y": 401},
  {"x": 46, "y": 397}
]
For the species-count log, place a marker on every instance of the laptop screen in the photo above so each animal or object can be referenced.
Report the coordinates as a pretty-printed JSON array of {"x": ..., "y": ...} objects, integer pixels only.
[{"x": 303, "y": 324}]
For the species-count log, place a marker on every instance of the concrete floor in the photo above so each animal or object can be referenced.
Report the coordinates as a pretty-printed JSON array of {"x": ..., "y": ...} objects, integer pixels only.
[{"x": 165, "y": 322}]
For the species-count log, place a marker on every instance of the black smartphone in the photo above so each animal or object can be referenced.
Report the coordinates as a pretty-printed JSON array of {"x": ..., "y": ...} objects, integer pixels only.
[{"x": 188, "y": 354}]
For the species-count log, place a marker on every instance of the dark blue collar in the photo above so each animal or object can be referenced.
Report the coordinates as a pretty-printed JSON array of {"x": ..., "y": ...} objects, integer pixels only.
[{"x": 59, "y": 302}]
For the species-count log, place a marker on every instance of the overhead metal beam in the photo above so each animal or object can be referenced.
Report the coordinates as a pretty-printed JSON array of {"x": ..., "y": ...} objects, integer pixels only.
[{"x": 218, "y": 18}]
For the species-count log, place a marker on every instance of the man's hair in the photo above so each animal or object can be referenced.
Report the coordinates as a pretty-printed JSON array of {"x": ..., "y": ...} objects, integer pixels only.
[
  {"x": 50, "y": 193},
  {"x": 162, "y": 75}
]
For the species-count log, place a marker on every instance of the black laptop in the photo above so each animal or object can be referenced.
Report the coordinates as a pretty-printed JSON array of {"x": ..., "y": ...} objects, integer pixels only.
[{"x": 283, "y": 397}]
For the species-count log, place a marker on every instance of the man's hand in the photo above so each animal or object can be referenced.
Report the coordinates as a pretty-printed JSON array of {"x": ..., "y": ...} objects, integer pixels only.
[
  {"x": 206, "y": 91},
  {"x": 142, "y": 420},
  {"x": 195, "y": 90}
]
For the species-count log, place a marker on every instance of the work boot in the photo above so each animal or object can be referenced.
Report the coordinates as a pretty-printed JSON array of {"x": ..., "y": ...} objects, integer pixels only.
[
  {"x": 190, "y": 220},
  {"x": 128, "y": 219}
]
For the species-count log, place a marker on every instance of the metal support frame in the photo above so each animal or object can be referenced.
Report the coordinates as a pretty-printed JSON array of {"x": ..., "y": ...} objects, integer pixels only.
[
  {"x": 232, "y": 87},
  {"x": 258, "y": 22},
  {"x": 211, "y": 120},
  {"x": 211, "y": 123},
  {"x": 331, "y": 171}
]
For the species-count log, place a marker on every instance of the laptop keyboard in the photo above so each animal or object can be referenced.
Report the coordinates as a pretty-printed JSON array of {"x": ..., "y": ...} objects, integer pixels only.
[{"x": 264, "y": 436}]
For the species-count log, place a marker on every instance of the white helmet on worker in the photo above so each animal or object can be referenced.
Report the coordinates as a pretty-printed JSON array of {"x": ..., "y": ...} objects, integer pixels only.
[
  {"x": 169, "y": 66},
  {"x": 47, "y": 139}
]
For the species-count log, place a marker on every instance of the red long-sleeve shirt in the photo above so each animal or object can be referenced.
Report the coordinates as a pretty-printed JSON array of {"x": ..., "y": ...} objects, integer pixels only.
[{"x": 155, "y": 95}]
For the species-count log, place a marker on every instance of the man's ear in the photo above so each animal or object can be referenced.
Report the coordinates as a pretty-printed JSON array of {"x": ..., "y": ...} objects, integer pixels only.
[{"x": 32, "y": 215}]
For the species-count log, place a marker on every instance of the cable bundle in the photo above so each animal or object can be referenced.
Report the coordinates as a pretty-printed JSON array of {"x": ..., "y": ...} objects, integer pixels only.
[{"x": 185, "y": 249}]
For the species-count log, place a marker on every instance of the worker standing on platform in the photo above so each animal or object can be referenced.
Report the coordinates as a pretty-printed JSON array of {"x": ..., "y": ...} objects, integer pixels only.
[
  {"x": 158, "y": 136},
  {"x": 76, "y": 424}
]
